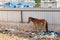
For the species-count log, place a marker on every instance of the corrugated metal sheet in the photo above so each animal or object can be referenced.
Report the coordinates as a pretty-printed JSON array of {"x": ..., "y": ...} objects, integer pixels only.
[{"x": 10, "y": 16}]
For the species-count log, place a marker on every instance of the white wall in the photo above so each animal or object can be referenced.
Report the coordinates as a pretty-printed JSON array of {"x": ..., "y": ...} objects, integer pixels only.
[
  {"x": 15, "y": 16},
  {"x": 10, "y": 16}
]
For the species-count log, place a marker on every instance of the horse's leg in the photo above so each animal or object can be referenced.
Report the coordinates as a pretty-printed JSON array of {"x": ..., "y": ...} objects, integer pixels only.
[{"x": 35, "y": 26}]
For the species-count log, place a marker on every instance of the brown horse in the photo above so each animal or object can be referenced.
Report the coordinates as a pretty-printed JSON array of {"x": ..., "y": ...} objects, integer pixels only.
[{"x": 39, "y": 22}]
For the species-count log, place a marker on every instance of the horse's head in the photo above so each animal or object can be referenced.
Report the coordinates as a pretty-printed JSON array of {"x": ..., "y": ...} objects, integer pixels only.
[{"x": 30, "y": 19}]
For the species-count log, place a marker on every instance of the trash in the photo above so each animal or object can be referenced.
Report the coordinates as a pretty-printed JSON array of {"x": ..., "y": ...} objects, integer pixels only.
[
  {"x": 49, "y": 35},
  {"x": 19, "y": 4}
]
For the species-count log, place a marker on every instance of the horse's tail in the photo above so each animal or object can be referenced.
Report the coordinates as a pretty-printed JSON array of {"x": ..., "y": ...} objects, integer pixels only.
[{"x": 46, "y": 26}]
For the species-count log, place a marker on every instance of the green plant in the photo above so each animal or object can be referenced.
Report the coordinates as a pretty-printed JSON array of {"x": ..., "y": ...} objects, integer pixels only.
[{"x": 37, "y": 1}]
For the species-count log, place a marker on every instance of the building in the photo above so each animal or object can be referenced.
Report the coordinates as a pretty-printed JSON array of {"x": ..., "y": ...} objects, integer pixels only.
[
  {"x": 48, "y": 3},
  {"x": 29, "y": 1}
]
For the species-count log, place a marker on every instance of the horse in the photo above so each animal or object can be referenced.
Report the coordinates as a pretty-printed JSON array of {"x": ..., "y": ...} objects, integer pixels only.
[{"x": 39, "y": 22}]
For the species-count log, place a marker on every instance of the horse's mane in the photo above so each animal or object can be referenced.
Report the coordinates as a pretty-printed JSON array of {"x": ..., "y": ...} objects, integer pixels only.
[{"x": 35, "y": 19}]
